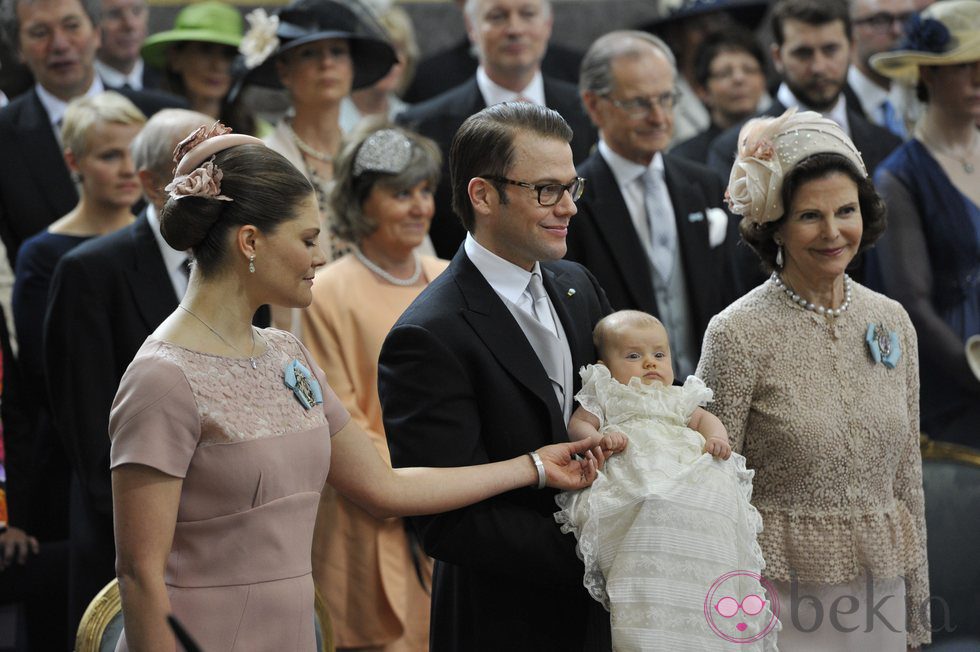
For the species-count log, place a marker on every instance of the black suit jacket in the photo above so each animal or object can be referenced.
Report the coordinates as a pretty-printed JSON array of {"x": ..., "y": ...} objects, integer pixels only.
[
  {"x": 460, "y": 385},
  {"x": 441, "y": 117},
  {"x": 875, "y": 143},
  {"x": 451, "y": 67},
  {"x": 602, "y": 237},
  {"x": 107, "y": 295},
  {"x": 35, "y": 188}
]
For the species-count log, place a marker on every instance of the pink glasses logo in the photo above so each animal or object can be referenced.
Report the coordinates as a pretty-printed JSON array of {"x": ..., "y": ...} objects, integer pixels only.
[{"x": 729, "y": 595}]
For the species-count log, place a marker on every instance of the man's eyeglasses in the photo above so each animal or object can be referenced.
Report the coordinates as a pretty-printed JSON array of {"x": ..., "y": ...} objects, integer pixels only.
[
  {"x": 641, "y": 107},
  {"x": 549, "y": 194},
  {"x": 883, "y": 20}
]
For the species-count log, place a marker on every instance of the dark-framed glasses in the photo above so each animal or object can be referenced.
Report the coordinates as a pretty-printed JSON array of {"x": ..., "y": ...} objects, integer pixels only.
[
  {"x": 883, "y": 20},
  {"x": 549, "y": 194},
  {"x": 641, "y": 107}
]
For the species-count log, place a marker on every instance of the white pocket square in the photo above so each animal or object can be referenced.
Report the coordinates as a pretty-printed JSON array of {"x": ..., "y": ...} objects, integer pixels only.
[{"x": 717, "y": 226}]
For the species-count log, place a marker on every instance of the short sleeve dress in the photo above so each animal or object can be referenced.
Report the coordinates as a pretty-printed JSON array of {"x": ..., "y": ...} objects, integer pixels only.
[
  {"x": 253, "y": 461},
  {"x": 664, "y": 522}
]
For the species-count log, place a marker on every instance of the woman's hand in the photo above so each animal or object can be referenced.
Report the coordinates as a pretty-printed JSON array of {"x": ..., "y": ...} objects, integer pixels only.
[
  {"x": 718, "y": 447},
  {"x": 564, "y": 471},
  {"x": 15, "y": 544}
]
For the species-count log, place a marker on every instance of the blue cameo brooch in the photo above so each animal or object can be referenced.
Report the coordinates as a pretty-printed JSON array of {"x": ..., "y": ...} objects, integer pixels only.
[
  {"x": 305, "y": 387},
  {"x": 883, "y": 345}
]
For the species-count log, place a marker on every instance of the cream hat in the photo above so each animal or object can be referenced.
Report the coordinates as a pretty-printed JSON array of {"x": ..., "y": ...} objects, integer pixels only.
[
  {"x": 768, "y": 148},
  {"x": 946, "y": 33},
  {"x": 973, "y": 354}
]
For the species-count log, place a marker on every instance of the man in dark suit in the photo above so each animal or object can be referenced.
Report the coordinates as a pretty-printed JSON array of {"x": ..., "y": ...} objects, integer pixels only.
[
  {"x": 57, "y": 39},
  {"x": 483, "y": 366},
  {"x": 451, "y": 67},
  {"x": 650, "y": 225},
  {"x": 511, "y": 37},
  {"x": 106, "y": 297},
  {"x": 123, "y": 29},
  {"x": 811, "y": 51}
]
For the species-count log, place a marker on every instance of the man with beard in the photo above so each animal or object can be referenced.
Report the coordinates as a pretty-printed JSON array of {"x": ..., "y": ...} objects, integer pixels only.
[{"x": 811, "y": 53}]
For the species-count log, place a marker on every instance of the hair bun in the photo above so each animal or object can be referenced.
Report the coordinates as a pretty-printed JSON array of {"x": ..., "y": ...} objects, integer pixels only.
[{"x": 186, "y": 226}]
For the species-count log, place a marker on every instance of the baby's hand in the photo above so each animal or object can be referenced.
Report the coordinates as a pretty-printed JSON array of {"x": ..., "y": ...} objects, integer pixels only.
[
  {"x": 718, "y": 448},
  {"x": 613, "y": 442}
]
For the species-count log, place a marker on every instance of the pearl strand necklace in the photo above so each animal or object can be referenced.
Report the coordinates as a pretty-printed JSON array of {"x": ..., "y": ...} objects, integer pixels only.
[
  {"x": 394, "y": 280},
  {"x": 812, "y": 307},
  {"x": 305, "y": 147}
]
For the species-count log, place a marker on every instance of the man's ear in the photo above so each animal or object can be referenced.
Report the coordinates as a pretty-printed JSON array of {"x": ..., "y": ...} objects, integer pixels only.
[
  {"x": 777, "y": 59},
  {"x": 152, "y": 190},
  {"x": 482, "y": 194},
  {"x": 590, "y": 101}
]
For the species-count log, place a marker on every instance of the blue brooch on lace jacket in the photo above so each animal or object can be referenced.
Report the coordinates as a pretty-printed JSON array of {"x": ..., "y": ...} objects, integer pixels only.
[
  {"x": 883, "y": 345},
  {"x": 306, "y": 388}
]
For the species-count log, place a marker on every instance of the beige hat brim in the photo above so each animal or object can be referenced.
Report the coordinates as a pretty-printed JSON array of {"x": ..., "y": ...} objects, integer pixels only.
[
  {"x": 973, "y": 354},
  {"x": 903, "y": 65}
]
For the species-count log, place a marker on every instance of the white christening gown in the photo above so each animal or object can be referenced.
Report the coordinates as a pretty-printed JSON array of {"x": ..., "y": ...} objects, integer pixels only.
[{"x": 666, "y": 531}]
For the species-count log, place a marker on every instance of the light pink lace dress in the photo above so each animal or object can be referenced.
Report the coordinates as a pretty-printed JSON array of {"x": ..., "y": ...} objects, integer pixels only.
[{"x": 253, "y": 461}]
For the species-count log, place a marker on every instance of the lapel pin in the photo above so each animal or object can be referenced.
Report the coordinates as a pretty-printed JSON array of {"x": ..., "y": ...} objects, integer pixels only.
[{"x": 571, "y": 292}]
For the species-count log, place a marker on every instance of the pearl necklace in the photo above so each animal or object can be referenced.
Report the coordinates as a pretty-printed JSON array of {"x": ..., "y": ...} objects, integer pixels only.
[
  {"x": 305, "y": 148},
  {"x": 250, "y": 356},
  {"x": 812, "y": 307},
  {"x": 394, "y": 280}
]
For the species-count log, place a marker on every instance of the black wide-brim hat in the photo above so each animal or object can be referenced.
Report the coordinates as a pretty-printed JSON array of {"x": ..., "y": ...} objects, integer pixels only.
[
  {"x": 748, "y": 13},
  {"x": 305, "y": 21}
]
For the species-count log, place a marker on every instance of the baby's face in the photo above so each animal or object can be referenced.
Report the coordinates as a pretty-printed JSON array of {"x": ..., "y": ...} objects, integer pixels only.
[{"x": 642, "y": 352}]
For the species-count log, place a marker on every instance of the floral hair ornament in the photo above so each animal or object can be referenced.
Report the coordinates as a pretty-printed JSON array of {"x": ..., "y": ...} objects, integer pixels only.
[
  {"x": 768, "y": 148},
  {"x": 305, "y": 387},
  {"x": 883, "y": 345},
  {"x": 387, "y": 150},
  {"x": 260, "y": 40},
  {"x": 196, "y": 174}
]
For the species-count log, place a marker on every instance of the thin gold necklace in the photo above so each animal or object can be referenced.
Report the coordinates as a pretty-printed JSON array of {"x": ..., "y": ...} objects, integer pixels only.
[
  {"x": 968, "y": 167},
  {"x": 250, "y": 356}
]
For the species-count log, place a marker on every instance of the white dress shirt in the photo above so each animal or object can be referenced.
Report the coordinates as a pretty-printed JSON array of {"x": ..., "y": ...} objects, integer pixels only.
[
  {"x": 173, "y": 260},
  {"x": 56, "y": 107},
  {"x": 494, "y": 94},
  {"x": 117, "y": 79}
]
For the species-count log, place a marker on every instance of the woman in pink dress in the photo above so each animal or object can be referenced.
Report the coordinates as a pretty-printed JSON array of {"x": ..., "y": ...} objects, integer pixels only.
[{"x": 223, "y": 434}]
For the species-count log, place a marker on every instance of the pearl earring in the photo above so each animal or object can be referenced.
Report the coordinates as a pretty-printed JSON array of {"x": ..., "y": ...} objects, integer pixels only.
[
  {"x": 251, "y": 264},
  {"x": 779, "y": 256}
]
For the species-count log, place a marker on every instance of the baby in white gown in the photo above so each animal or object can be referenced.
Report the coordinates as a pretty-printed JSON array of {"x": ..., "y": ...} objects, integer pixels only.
[{"x": 667, "y": 532}]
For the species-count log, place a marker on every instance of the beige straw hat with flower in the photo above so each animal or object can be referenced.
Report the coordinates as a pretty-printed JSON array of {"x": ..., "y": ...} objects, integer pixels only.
[{"x": 946, "y": 33}]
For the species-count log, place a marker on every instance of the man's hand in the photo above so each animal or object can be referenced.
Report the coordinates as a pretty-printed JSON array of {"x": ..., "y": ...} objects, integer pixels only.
[{"x": 15, "y": 544}]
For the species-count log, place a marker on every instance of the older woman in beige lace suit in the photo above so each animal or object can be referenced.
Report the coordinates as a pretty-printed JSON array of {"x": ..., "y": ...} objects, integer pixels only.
[{"x": 816, "y": 379}]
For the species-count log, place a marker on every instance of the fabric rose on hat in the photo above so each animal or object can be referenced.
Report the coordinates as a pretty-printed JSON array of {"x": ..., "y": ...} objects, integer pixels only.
[
  {"x": 260, "y": 40},
  {"x": 197, "y": 137},
  {"x": 755, "y": 185},
  {"x": 204, "y": 181}
]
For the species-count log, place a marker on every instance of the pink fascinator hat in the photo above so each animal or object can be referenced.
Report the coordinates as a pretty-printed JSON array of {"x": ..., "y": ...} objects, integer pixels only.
[{"x": 768, "y": 148}]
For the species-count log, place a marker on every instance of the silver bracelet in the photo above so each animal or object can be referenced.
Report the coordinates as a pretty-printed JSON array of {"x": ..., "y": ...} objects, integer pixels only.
[{"x": 539, "y": 465}]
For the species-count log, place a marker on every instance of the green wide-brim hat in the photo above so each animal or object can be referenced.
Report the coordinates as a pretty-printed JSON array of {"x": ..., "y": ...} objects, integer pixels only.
[
  {"x": 945, "y": 34},
  {"x": 205, "y": 22}
]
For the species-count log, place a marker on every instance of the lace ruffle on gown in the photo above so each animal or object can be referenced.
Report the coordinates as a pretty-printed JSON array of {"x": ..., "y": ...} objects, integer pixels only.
[{"x": 664, "y": 521}]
